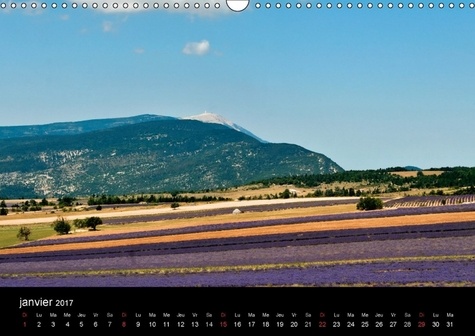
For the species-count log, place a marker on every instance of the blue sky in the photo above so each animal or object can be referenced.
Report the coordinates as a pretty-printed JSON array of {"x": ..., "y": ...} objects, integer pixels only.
[{"x": 369, "y": 88}]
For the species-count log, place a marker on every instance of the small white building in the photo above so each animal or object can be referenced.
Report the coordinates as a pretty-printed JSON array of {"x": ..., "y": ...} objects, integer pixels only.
[{"x": 236, "y": 211}]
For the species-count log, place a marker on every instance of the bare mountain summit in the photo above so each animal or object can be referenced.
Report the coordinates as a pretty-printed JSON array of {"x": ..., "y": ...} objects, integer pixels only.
[{"x": 213, "y": 118}]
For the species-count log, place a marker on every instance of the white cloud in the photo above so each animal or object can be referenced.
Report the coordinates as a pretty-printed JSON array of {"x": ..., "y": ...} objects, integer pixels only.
[
  {"x": 139, "y": 51},
  {"x": 197, "y": 48}
]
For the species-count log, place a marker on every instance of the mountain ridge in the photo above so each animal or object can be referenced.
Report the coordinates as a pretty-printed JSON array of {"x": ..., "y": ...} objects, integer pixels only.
[
  {"x": 151, "y": 156},
  {"x": 74, "y": 127},
  {"x": 89, "y": 125}
]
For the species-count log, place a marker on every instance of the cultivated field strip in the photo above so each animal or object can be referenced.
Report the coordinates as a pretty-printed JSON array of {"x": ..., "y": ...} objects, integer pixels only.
[
  {"x": 224, "y": 211},
  {"x": 239, "y": 239},
  {"x": 430, "y": 201},
  {"x": 440, "y": 248},
  {"x": 269, "y": 222},
  {"x": 429, "y": 246},
  {"x": 148, "y": 213},
  {"x": 395, "y": 273}
]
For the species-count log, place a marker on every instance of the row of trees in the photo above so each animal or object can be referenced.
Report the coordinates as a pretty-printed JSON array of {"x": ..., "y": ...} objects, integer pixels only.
[
  {"x": 287, "y": 193},
  {"x": 28, "y": 205},
  {"x": 62, "y": 226},
  {"x": 172, "y": 198},
  {"x": 317, "y": 193}
]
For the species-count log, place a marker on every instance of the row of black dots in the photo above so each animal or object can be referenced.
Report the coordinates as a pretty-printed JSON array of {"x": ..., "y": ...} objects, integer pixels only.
[
  {"x": 360, "y": 5},
  {"x": 115, "y": 5},
  {"x": 258, "y": 5}
]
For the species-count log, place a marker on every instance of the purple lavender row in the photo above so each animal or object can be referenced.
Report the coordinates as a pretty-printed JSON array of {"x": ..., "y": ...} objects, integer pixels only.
[
  {"x": 269, "y": 222},
  {"x": 386, "y": 274},
  {"x": 374, "y": 249},
  {"x": 254, "y": 242},
  {"x": 433, "y": 200},
  {"x": 253, "y": 256}
]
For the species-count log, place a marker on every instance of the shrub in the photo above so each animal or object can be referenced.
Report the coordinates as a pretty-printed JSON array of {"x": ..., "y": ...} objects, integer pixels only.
[
  {"x": 285, "y": 194},
  {"x": 175, "y": 205},
  {"x": 79, "y": 223},
  {"x": 369, "y": 203}
]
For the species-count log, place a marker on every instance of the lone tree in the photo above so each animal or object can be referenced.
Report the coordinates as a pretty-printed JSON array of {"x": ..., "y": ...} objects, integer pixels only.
[
  {"x": 23, "y": 233},
  {"x": 3, "y": 211},
  {"x": 3, "y": 208},
  {"x": 369, "y": 203},
  {"x": 92, "y": 222},
  {"x": 61, "y": 226}
]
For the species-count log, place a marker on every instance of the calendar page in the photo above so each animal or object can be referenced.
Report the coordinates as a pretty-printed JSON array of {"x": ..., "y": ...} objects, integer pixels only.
[{"x": 230, "y": 166}]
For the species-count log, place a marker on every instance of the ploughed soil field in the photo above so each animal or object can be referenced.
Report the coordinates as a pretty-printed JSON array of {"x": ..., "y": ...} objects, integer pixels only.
[{"x": 425, "y": 246}]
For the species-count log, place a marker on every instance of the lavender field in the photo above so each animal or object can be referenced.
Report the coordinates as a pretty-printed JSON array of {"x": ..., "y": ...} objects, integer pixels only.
[
  {"x": 440, "y": 254},
  {"x": 430, "y": 201},
  {"x": 392, "y": 212},
  {"x": 441, "y": 273},
  {"x": 425, "y": 261}
]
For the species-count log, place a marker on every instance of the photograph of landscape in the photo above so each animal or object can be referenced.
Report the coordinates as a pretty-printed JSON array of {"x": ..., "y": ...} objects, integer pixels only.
[{"x": 237, "y": 144}]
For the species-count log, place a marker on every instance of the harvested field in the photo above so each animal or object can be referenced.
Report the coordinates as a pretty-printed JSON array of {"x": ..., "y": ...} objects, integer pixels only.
[
  {"x": 414, "y": 173},
  {"x": 148, "y": 213}
]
